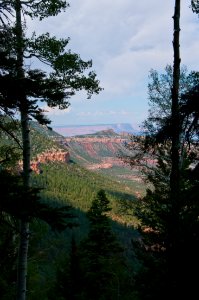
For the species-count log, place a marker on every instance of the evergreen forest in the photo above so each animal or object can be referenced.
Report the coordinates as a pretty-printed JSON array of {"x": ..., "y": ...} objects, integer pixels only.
[{"x": 67, "y": 232}]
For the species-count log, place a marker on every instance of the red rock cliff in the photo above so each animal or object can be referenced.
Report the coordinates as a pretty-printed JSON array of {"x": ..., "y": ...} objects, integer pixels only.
[{"x": 48, "y": 156}]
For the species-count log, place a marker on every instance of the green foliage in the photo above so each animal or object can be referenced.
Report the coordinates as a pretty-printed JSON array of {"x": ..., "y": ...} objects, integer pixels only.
[
  {"x": 99, "y": 151},
  {"x": 63, "y": 185},
  {"x": 96, "y": 267},
  {"x": 195, "y": 6},
  {"x": 68, "y": 73},
  {"x": 101, "y": 241},
  {"x": 155, "y": 213},
  {"x": 17, "y": 203},
  {"x": 163, "y": 217},
  {"x": 72, "y": 184},
  {"x": 77, "y": 186},
  {"x": 159, "y": 91},
  {"x": 26, "y": 204},
  {"x": 45, "y": 9},
  {"x": 22, "y": 88},
  {"x": 10, "y": 144},
  {"x": 101, "y": 252},
  {"x": 8, "y": 257},
  {"x": 68, "y": 282}
]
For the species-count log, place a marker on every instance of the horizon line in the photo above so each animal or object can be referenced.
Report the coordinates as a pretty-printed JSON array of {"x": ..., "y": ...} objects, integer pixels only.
[{"x": 95, "y": 124}]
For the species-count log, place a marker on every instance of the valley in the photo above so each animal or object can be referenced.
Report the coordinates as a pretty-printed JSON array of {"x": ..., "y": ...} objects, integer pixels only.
[
  {"x": 69, "y": 171},
  {"x": 100, "y": 152}
]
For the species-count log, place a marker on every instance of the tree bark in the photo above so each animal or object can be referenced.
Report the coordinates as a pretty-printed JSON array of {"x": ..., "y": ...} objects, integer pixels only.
[
  {"x": 24, "y": 226},
  {"x": 22, "y": 261},
  {"x": 175, "y": 154}
]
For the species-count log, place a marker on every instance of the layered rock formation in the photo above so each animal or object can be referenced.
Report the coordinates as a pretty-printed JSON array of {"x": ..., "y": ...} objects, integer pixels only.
[{"x": 46, "y": 157}]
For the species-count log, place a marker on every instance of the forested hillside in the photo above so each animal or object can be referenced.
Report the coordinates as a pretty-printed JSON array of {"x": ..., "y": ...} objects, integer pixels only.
[
  {"x": 106, "y": 216},
  {"x": 70, "y": 184},
  {"x": 101, "y": 152}
]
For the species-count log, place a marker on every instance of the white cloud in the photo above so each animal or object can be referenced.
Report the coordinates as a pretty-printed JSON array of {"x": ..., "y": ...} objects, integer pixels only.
[
  {"x": 50, "y": 111},
  {"x": 125, "y": 39},
  {"x": 102, "y": 113}
]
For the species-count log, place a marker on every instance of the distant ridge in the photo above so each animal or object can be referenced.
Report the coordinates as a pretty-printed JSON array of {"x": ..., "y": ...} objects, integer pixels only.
[{"x": 73, "y": 130}]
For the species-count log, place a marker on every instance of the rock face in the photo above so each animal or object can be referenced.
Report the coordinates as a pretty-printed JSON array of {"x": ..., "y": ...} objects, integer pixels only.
[
  {"x": 49, "y": 156},
  {"x": 91, "y": 140},
  {"x": 46, "y": 157},
  {"x": 96, "y": 152},
  {"x": 62, "y": 156}
]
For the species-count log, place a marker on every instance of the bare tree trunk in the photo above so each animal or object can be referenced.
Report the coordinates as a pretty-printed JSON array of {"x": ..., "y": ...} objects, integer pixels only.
[
  {"x": 24, "y": 226},
  {"x": 22, "y": 261},
  {"x": 175, "y": 154}
]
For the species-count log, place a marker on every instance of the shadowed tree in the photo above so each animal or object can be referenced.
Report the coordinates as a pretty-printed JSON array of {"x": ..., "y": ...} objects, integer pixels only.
[
  {"x": 173, "y": 235},
  {"x": 168, "y": 156},
  {"x": 17, "y": 203},
  {"x": 102, "y": 266},
  {"x": 195, "y": 6},
  {"x": 68, "y": 284},
  {"x": 27, "y": 87}
]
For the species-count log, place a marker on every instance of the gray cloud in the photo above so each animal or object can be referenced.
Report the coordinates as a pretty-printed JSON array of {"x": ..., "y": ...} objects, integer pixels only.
[{"x": 125, "y": 39}]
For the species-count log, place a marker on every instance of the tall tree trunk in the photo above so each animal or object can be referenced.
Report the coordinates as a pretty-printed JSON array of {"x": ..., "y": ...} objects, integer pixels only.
[
  {"x": 175, "y": 154},
  {"x": 24, "y": 226},
  {"x": 22, "y": 261}
]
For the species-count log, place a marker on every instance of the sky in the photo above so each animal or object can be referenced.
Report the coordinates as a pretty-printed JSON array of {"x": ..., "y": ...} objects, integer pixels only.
[{"x": 125, "y": 40}]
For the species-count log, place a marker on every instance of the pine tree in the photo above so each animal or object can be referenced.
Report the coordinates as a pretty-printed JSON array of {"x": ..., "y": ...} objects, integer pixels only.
[
  {"x": 29, "y": 86},
  {"x": 168, "y": 211},
  {"x": 195, "y": 6},
  {"x": 101, "y": 254}
]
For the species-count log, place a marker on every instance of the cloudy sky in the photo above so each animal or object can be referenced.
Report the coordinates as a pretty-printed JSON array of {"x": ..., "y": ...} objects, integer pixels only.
[{"x": 125, "y": 39}]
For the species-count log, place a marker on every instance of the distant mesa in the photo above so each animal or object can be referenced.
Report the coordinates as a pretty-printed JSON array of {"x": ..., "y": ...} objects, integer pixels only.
[{"x": 68, "y": 131}]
